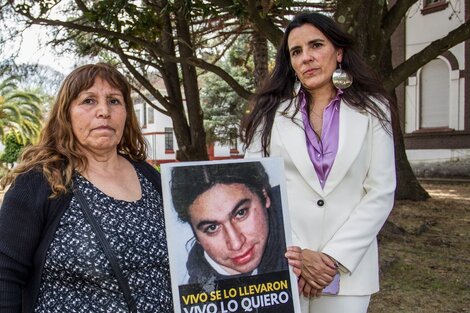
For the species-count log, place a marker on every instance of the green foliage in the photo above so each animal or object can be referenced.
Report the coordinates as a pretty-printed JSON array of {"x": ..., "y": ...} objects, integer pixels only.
[
  {"x": 138, "y": 22},
  {"x": 223, "y": 108},
  {"x": 127, "y": 18},
  {"x": 12, "y": 148},
  {"x": 20, "y": 112}
]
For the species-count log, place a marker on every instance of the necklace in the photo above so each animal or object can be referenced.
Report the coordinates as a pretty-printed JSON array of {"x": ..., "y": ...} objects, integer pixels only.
[
  {"x": 316, "y": 119},
  {"x": 315, "y": 113},
  {"x": 316, "y": 122}
]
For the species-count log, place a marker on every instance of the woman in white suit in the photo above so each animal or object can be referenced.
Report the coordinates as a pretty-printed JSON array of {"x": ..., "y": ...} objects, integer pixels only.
[{"x": 324, "y": 111}]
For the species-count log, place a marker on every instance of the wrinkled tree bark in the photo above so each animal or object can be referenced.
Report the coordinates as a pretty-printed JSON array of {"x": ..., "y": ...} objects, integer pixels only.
[
  {"x": 190, "y": 134},
  {"x": 408, "y": 187},
  {"x": 196, "y": 149},
  {"x": 260, "y": 57}
]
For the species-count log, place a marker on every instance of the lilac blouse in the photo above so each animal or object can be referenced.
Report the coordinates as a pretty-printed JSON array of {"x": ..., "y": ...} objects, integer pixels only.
[{"x": 322, "y": 151}]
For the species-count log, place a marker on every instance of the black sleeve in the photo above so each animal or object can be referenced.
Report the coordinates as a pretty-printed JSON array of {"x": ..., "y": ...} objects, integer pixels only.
[{"x": 20, "y": 231}]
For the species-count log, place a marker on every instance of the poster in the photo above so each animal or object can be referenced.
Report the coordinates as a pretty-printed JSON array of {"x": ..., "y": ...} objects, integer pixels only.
[{"x": 228, "y": 228}]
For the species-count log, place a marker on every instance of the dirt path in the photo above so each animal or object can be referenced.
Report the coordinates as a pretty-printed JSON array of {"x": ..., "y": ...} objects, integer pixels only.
[{"x": 425, "y": 254}]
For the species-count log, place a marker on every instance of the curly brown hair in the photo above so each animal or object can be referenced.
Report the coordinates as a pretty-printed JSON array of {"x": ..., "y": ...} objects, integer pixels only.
[{"x": 57, "y": 153}]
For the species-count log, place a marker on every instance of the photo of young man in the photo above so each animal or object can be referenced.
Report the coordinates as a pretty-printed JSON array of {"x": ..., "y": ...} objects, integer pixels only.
[{"x": 235, "y": 216}]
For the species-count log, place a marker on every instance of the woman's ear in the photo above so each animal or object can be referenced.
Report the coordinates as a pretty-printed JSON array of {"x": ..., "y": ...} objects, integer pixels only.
[
  {"x": 268, "y": 200},
  {"x": 339, "y": 55}
]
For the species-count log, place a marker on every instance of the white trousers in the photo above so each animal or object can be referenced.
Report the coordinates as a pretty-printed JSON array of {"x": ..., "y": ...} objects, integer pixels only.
[{"x": 335, "y": 304}]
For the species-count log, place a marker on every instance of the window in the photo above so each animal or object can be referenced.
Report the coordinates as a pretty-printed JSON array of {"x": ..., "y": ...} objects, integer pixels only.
[
  {"x": 430, "y": 6},
  {"x": 151, "y": 115},
  {"x": 233, "y": 141},
  {"x": 152, "y": 142},
  {"x": 137, "y": 114},
  {"x": 168, "y": 139},
  {"x": 434, "y": 95},
  {"x": 144, "y": 122}
]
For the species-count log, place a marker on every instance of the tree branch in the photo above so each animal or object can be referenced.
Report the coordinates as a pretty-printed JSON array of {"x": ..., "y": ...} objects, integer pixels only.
[
  {"x": 82, "y": 6},
  {"x": 142, "y": 80},
  {"x": 345, "y": 13},
  {"x": 395, "y": 15},
  {"x": 150, "y": 102},
  {"x": 434, "y": 49},
  {"x": 239, "y": 89},
  {"x": 262, "y": 23}
]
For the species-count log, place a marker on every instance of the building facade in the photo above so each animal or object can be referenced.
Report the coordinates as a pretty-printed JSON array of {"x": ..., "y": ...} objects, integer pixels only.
[
  {"x": 436, "y": 112},
  {"x": 162, "y": 146}
]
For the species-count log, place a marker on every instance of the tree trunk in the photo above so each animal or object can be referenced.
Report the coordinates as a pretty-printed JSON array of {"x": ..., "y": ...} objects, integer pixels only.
[
  {"x": 408, "y": 187},
  {"x": 191, "y": 146},
  {"x": 197, "y": 149},
  {"x": 260, "y": 56}
]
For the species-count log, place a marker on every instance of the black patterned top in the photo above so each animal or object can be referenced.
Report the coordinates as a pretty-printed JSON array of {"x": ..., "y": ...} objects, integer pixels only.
[{"x": 77, "y": 277}]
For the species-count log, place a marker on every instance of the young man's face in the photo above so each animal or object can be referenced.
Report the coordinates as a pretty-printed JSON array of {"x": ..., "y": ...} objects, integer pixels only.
[{"x": 231, "y": 224}]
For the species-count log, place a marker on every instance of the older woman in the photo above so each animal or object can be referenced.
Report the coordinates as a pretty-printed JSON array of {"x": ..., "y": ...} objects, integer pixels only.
[{"x": 81, "y": 227}]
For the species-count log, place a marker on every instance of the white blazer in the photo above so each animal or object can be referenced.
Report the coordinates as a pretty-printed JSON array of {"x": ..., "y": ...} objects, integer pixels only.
[{"x": 357, "y": 197}]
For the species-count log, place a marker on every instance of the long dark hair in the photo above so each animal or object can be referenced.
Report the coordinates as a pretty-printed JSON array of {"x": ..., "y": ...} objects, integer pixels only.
[{"x": 363, "y": 94}]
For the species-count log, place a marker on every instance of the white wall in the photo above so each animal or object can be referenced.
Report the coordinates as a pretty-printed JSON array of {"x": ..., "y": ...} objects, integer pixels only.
[
  {"x": 423, "y": 29},
  {"x": 420, "y": 31},
  {"x": 154, "y": 133}
]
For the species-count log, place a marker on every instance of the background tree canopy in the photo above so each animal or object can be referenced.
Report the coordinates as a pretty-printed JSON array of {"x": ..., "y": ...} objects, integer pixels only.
[
  {"x": 180, "y": 40},
  {"x": 12, "y": 149},
  {"x": 20, "y": 112}
]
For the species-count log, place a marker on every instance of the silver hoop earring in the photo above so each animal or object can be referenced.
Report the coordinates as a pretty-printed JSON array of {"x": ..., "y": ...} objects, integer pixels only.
[
  {"x": 297, "y": 86},
  {"x": 341, "y": 79}
]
